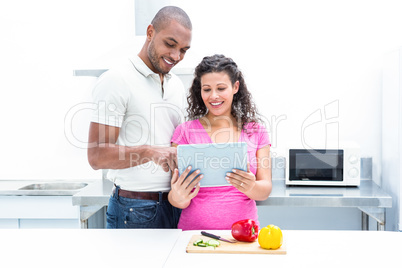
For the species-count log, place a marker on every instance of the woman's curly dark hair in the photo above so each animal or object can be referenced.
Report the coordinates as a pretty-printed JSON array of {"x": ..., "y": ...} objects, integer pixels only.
[{"x": 243, "y": 108}]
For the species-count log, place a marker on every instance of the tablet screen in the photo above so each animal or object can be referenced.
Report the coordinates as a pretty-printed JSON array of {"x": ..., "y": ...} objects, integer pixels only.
[{"x": 213, "y": 160}]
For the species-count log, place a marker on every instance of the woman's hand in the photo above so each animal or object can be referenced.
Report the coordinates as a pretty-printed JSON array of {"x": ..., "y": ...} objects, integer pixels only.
[
  {"x": 242, "y": 180},
  {"x": 184, "y": 189}
]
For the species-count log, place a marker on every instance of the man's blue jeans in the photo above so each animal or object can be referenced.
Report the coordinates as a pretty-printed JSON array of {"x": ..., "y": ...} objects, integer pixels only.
[{"x": 124, "y": 212}]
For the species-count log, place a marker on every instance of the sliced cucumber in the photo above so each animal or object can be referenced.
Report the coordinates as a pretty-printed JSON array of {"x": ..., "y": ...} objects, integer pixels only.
[
  {"x": 214, "y": 243},
  {"x": 198, "y": 242},
  {"x": 211, "y": 243}
]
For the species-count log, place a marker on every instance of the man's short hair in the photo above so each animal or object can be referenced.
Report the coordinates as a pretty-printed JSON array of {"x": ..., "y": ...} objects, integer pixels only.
[{"x": 166, "y": 14}]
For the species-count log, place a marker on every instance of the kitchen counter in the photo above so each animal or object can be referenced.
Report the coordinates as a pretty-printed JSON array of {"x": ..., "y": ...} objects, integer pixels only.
[
  {"x": 95, "y": 194},
  {"x": 42, "y": 187},
  {"x": 368, "y": 197},
  {"x": 44, "y": 202},
  {"x": 367, "y": 194},
  {"x": 10, "y": 187},
  {"x": 86, "y": 248},
  {"x": 166, "y": 248},
  {"x": 304, "y": 249}
]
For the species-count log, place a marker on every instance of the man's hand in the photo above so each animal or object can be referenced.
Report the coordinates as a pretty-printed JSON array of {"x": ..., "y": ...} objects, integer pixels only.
[{"x": 166, "y": 157}]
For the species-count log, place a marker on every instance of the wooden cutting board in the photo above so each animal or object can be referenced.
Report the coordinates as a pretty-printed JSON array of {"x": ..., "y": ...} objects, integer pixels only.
[{"x": 237, "y": 247}]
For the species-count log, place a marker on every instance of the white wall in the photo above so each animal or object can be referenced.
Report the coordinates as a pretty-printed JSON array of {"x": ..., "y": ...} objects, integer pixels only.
[
  {"x": 298, "y": 57},
  {"x": 41, "y": 42},
  {"x": 392, "y": 136}
]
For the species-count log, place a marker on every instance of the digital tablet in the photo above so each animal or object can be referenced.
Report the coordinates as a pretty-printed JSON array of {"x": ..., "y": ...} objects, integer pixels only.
[{"x": 213, "y": 160}]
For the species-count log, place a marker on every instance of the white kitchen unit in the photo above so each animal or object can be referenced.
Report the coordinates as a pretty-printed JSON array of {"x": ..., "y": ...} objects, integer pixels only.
[
  {"x": 392, "y": 136},
  {"x": 72, "y": 248},
  {"x": 167, "y": 248},
  {"x": 33, "y": 212}
]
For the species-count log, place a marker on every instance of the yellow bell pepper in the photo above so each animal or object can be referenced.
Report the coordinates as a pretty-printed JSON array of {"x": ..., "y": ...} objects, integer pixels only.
[{"x": 270, "y": 237}]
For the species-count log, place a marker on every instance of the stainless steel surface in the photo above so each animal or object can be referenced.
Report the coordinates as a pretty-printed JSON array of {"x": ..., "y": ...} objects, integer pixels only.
[
  {"x": 42, "y": 188},
  {"x": 368, "y": 194},
  {"x": 380, "y": 226},
  {"x": 365, "y": 221},
  {"x": 374, "y": 212},
  {"x": 95, "y": 194},
  {"x": 368, "y": 197},
  {"x": 92, "y": 198},
  {"x": 89, "y": 72},
  {"x": 52, "y": 188}
]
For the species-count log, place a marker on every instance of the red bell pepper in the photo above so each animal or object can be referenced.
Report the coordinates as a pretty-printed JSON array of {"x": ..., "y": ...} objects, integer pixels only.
[{"x": 245, "y": 230}]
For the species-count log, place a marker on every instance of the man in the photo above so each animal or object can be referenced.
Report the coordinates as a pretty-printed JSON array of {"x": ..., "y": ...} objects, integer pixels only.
[{"x": 139, "y": 105}]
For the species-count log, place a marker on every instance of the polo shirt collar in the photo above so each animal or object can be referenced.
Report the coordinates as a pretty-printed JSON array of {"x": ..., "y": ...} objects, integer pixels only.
[{"x": 143, "y": 68}]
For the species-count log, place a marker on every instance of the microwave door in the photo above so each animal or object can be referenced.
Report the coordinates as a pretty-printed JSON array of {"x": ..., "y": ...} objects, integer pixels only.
[{"x": 316, "y": 165}]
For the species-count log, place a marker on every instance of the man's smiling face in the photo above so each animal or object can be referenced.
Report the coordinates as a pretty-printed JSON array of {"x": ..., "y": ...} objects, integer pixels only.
[{"x": 168, "y": 47}]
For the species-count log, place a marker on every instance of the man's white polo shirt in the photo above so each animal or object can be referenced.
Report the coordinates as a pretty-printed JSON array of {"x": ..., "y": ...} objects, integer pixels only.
[{"x": 130, "y": 97}]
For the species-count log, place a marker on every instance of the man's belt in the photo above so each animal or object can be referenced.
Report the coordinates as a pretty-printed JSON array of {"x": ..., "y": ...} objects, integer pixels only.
[{"x": 142, "y": 195}]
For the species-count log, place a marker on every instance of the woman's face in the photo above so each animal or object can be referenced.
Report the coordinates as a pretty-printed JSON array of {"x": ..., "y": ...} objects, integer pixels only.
[{"x": 217, "y": 93}]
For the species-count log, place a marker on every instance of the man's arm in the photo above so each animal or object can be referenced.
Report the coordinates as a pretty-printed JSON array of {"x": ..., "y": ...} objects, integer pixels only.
[{"x": 104, "y": 153}]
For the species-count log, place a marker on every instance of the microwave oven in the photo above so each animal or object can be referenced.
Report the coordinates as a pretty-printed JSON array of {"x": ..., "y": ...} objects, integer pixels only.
[{"x": 332, "y": 167}]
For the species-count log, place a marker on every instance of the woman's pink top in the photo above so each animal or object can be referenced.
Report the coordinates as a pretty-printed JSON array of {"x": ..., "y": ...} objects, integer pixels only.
[{"x": 217, "y": 208}]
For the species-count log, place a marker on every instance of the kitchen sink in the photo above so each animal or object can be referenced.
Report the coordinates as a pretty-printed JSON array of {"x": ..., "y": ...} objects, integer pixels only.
[{"x": 52, "y": 188}]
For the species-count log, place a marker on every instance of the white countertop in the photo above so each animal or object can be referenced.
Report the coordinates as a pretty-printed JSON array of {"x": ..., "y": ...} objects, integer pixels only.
[
  {"x": 166, "y": 248},
  {"x": 85, "y": 248},
  {"x": 304, "y": 249}
]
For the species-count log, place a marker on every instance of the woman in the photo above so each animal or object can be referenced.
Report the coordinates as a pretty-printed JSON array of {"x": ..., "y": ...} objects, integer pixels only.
[{"x": 221, "y": 111}]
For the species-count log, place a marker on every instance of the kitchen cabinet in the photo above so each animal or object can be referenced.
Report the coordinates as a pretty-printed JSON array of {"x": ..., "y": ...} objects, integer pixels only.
[
  {"x": 33, "y": 212},
  {"x": 9, "y": 223},
  {"x": 44, "y": 204}
]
